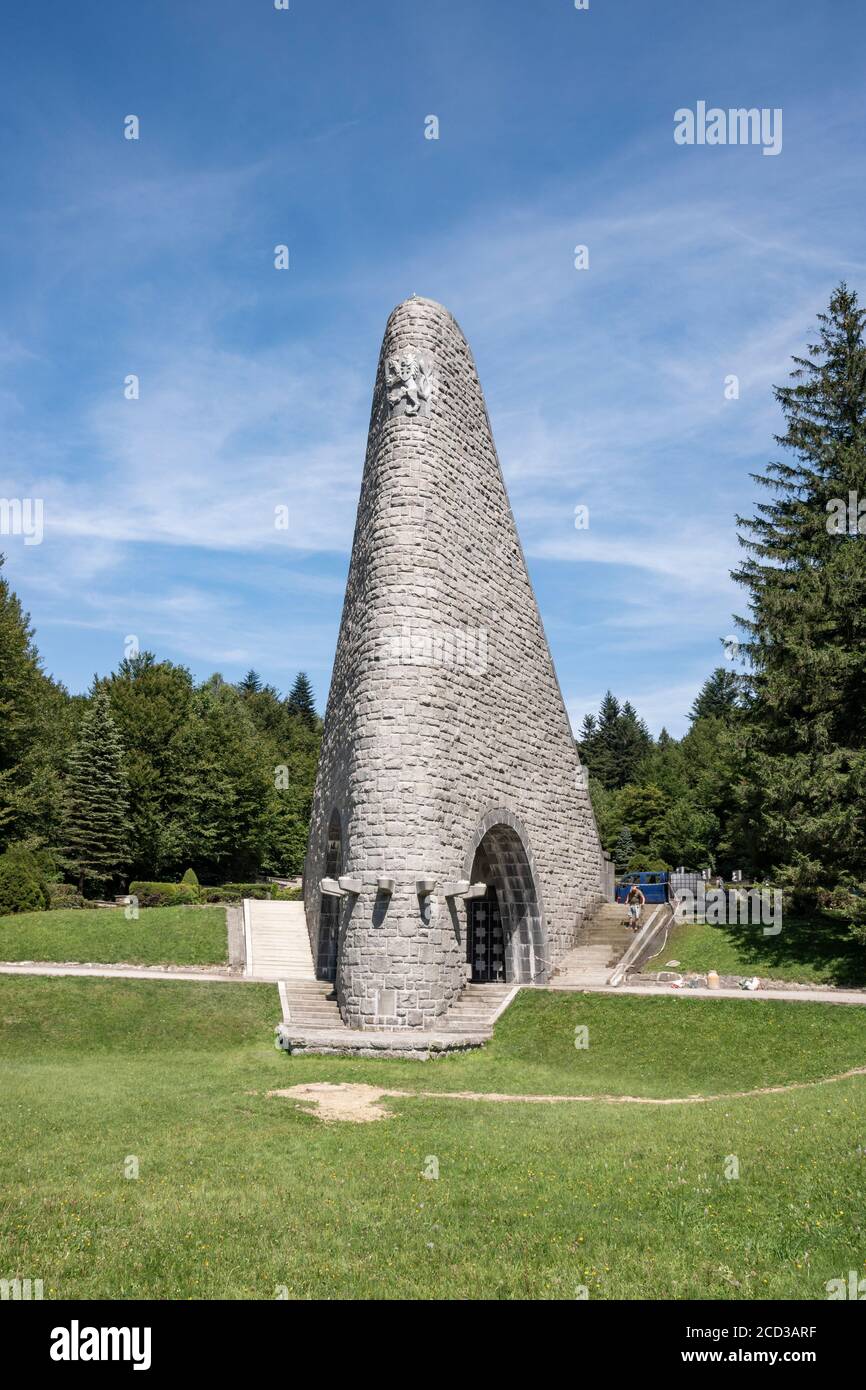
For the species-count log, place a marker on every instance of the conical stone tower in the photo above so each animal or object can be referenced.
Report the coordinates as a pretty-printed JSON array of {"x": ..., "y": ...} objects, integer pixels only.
[{"x": 448, "y": 762}]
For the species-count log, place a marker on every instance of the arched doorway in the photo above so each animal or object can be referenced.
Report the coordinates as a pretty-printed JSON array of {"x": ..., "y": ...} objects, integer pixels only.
[
  {"x": 329, "y": 914},
  {"x": 504, "y": 928}
]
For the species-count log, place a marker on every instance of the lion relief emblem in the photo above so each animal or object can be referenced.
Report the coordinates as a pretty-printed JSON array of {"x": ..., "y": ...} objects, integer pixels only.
[{"x": 409, "y": 382}]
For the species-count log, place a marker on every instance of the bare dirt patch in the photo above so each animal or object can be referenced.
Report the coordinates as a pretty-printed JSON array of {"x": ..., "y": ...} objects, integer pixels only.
[{"x": 345, "y": 1100}]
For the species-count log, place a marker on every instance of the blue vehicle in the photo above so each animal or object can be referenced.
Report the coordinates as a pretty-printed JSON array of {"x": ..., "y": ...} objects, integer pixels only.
[{"x": 654, "y": 886}]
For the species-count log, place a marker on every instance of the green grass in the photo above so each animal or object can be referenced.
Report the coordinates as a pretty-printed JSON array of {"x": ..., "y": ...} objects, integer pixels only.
[
  {"x": 160, "y": 936},
  {"x": 239, "y": 1194},
  {"x": 817, "y": 950}
]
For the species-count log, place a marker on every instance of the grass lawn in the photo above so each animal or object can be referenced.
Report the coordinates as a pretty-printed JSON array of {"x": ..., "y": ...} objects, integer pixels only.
[
  {"x": 239, "y": 1194},
  {"x": 160, "y": 936},
  {"x": 815, "y": 950}
]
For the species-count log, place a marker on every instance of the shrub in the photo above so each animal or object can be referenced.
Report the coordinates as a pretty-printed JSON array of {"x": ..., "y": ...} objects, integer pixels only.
[
  {"x": 64, "y": 895},
  {"x": 162, "y": 894},
  {"x": 21, "y": 889},
  {"x": 233, "y": 892},
  {"x": 190, "y": 881},
  {"x": 39, "y": 861},
  {"x": 289, "y": 895},
  {"x": 850, "y": 899}
]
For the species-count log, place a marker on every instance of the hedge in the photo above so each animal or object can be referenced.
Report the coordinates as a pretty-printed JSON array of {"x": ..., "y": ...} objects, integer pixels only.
[
  {"x": 183, "y": 894},
  {"x": 163, "y": 894},
  {"x": 233, "y": 892}
]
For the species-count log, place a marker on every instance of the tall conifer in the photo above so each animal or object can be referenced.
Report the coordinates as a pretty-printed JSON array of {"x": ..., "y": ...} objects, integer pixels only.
[{"x": 97, "y": 798}]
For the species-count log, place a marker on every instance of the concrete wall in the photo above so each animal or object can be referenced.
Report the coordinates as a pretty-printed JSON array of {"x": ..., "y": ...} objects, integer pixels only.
[{"x": 444, "y": 716}]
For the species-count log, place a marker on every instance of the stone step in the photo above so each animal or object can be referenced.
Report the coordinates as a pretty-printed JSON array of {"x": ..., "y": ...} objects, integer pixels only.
[
  {"x": 278, "y": 941},
  {"x": 299, "y": 1007}
]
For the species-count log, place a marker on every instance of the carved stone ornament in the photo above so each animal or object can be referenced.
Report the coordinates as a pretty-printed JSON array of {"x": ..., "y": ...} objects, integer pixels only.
[{"x": 409, "y": 380}]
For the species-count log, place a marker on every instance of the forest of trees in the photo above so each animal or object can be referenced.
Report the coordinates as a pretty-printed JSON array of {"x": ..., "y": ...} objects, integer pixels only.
[
  {"x": 664, "y": 802},
  {"x": 150, "y": 773}
]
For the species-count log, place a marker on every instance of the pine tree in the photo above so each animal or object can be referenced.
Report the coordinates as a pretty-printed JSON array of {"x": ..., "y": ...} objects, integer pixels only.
[
  {"x": 718, "y": 696},
  {"x": 632, "y": 742},
  {"x": 97, "y": 798},
  {"x": 300, "y": 700},
  {"x": 151, "y": 704},
  {"x": 624, "y": 849},
  {"x": 34, "y": 730},
  {"x": 251, "y": 683},
  {"x": 804, "y": 754},
  {"x": 614, "y": 745},
  {"x": 601, "y": 753}
]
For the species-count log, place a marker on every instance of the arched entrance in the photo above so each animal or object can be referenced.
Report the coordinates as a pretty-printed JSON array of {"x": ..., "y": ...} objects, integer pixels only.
[
  {"x": 504, "y": 929},
  {"x": 329, "y": 914}
]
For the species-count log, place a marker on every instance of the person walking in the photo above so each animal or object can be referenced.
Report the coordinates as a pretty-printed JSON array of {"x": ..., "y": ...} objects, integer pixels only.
[{"x": 635, "y": 902}]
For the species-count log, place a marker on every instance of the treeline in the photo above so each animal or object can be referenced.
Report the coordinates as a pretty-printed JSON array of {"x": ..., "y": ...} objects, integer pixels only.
[
  {"x": 771, "y": 777},
  {"x": 666, "y": 802},
  {"x": 150, "y": 774}
]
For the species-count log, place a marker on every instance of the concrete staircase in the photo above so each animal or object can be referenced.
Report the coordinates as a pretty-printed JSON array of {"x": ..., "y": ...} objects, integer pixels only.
[
  {"x": 475, "y": 1010},
  {"x": 603, "y": 942},
  {"x": 312, "y": 1024},
  {"x": 310, "y": 1004},
  {"x": 277, "y": 947},
  {"x": 277, "y": 941}
]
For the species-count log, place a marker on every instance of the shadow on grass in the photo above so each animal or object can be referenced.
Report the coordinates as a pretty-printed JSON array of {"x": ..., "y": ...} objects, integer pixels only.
[{"x": 822, "y": 942}]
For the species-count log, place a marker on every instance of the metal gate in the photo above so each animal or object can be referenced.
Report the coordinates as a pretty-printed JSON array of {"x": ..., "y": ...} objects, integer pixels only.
[
  {"x": 329, "y": 915},
  {"x": 486, "y": 940}
]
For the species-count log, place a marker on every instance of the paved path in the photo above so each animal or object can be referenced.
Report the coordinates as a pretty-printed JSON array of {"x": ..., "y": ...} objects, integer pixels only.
[
  {"x": 798, "y": 996},
  {"x": 153, "y": 972},
  {"x": 125, "y": 972}
]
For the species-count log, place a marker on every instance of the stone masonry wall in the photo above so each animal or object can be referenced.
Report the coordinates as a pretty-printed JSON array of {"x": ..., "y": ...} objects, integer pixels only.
[{"x": 444, "y": 709}]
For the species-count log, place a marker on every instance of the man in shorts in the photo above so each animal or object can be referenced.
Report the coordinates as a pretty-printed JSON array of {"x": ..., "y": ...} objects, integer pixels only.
[{"x": 635, "y": 902}]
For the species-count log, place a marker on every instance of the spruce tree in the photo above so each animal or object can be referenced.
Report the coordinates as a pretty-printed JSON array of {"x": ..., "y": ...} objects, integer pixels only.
[
  {"x": 632, "y": 742},
  {"x": 719, "y": 696},
  {"x": 615, "y": 744},
  {"x": 300, "y": 700},
  {"x": 804, "y": 744},
  {"x": 97, "y": 798},
  {"x": 624, "y": 849},
  {"x": 251, "y": 683},
  {"x": 34, "y": 730},
  {"x": 603, "y": 752}
]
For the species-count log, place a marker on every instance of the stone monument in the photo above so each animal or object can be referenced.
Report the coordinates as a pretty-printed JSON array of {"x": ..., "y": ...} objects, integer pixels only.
[{"x": 452, "y": 835}]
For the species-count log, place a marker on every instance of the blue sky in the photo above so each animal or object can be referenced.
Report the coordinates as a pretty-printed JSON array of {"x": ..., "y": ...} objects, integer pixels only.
[{"x": 605, "y": 387}]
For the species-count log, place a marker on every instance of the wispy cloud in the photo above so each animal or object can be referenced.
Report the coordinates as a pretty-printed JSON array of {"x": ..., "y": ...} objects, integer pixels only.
[{"x": 605, "y": 388}]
